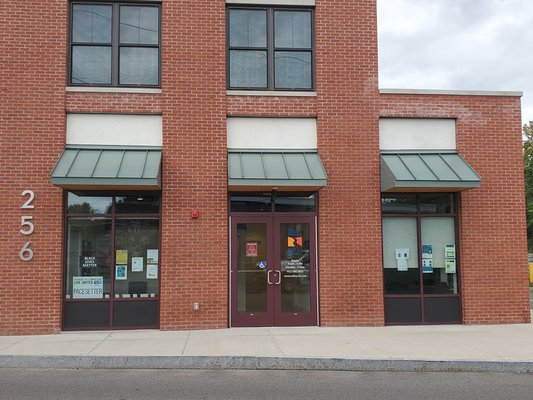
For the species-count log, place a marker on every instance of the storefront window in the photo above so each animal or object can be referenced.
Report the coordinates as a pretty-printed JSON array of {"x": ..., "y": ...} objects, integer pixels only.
[
  {"x": 89, "y": 263},
  {"x": 438, "y": 246},
  {"x": 136, "y": 260},
  {"x": 89, "y": 204},
  {"x": 398, "y": 203},
  {"x": 401, "y": 272},
  {"x": 113, "y": 252},
  {"x": 420, "y": 258}
]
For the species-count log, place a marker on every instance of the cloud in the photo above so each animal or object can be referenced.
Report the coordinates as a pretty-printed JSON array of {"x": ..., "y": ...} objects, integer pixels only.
[{"x": 457, "y": 44}]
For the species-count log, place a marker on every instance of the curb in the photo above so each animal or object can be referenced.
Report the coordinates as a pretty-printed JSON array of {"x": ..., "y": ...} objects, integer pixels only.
[{"x": 261, "y": 363}]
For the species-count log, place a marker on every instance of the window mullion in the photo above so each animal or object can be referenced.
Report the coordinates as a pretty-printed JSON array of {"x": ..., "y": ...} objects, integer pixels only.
[
  {"x": 270, "y": 50},
  {"x": 115, "y": 43}
]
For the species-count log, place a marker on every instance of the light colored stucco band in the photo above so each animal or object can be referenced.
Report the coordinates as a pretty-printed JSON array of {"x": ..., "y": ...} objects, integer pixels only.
[
  {"x": 272, "y": 133},
  {"x": 416, "y": 134},
  {"x": 114, "y": 129},
  {"x": 274, "y": 2}
]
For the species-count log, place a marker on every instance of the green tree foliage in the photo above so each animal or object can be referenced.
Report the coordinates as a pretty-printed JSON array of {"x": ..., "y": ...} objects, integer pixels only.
[{"x": 528, "y": 177}]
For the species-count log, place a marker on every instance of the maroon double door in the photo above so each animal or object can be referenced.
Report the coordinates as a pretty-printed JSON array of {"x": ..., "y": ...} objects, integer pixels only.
[{"x": 273, "y": 270}]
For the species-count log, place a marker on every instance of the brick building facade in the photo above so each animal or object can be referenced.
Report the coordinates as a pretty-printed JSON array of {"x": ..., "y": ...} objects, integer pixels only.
[{"x": 211, "y": 250}]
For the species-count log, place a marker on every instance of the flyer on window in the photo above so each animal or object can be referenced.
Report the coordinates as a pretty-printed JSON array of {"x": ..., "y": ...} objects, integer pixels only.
[
  {"x": 449, "y": 251},
  {"x": 449, "y": 265},
  {"x": 121, "y": 256},
  {"x": 137, "y": 264},
  {"x": 121, "y": 272},
  {"x": 427, "y": 251},
  {"x": 152, "y": 256},
  {"x": 151, "y": 271}
]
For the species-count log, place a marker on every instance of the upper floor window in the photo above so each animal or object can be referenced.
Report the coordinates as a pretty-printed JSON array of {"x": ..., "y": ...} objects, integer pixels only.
[
  {"x": 115, "y": 44},
  {"x": 270, "y": 48}
]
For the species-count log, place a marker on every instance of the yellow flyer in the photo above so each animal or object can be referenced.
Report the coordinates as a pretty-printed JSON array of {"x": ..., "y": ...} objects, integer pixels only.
[{"x": 122, "y": 257}]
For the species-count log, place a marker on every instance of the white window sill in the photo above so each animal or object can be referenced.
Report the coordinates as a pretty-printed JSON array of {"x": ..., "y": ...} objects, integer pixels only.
[
  {"x": 279, "y": 93},
  {"x": 97, "y": 89}
]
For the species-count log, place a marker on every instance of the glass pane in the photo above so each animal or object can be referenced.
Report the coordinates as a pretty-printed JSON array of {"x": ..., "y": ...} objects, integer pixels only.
[
  {"x": 89, "y": 262},
  {"x": 251, "y": 268},
  {"x": 400, "y": 256},
  {"x": 292, "y": 29},
  {"x": 295, "y": 268},
  {"x": 248, "y": 69},
  {"x": 295, "y": 204},
  {"x": 247, "y": 28},
  {"x": 89, "y": 204},
  {"x": 398, "y": 203},
  {"x": 251, "y": 204},
  {"x": 437, "y": 203},
  {"x": 136, "y": 258},
  {"x": 91, "y": 65},
  {"x": 139, "y": 25},
  {"x": 91, "y": 23},
  {"x": 137, "y": 204},
  {"x": 139, "y": 66},
  {"x": 293, "y": 70},
  {"x": 439, "y": 265}
]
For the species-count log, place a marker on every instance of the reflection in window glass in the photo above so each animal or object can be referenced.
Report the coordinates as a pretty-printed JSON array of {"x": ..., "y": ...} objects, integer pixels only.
[
  {"x": 247, "y": 28},
  {"x": 136, "y": 257},
  {"x": 91, "y": 64},
  {"x": 137, "y": 204},
  {"x": 398, "y": 203},
  {"x": 91, "y": 23},
  {"x": 250, "y": 203},
  {"x": 292, "y": 29},
  {"x": 89, "y": 204},
  {"x": 437, "y": 203},
  {"x": 399, "y": 234},
  {"x": 295, "y": 204},
  {"x": 248, "y": 68},
  {"x": 293, "y": 70},
  {"x": 139, "y": 66},
  {"x": 88, "y": 256},
  {"x": 139, "y": 25}
]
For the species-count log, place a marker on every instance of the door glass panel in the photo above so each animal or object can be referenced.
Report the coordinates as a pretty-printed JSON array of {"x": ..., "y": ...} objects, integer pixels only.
[
  {"x": 401, "y": 273},
  {"x": 439, "y": 265},
  {"x": 295, "y": 267},
  {"x": 251, "y": 268}
]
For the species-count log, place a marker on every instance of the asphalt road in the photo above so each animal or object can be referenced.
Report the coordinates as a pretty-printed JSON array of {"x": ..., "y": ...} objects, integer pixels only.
[{"x": 17, "y": 384}]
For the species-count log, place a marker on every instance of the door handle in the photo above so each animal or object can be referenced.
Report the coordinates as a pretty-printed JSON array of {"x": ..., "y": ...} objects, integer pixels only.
[
  {"x": 278, "y": 272},
  {"x": 268, "y": 277}
]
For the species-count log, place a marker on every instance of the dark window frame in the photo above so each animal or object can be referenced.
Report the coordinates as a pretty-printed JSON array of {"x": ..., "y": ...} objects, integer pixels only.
[
  {"x": 270, "y": 47},
  {"x": 115, "y": 44},
  {"x": 112, "y": 216},
  {"x": 422, "y": 295}
]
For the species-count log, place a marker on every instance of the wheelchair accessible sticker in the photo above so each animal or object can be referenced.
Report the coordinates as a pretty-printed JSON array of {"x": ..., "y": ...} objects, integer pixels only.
[{"x": 262, "y": 264}]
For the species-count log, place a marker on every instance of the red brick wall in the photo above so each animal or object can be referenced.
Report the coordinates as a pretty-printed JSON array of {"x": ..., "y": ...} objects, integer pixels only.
[
  {"x": 351, "y": 288},
  {"x": 32, "y": 124},
  {"x": 194, "y": 251},
  {"x": 493, "y": 245}
]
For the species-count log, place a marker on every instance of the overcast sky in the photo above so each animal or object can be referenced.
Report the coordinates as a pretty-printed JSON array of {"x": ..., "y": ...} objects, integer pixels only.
[{"x": 457, "y": 44}]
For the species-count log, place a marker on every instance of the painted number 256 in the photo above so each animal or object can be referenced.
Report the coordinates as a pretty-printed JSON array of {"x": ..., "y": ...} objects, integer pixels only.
[{"x": 26, "y": 226}]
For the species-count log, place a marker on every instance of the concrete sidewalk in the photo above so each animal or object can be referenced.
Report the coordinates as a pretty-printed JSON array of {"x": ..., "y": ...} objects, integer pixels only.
[{"x": 402, "y": 348}]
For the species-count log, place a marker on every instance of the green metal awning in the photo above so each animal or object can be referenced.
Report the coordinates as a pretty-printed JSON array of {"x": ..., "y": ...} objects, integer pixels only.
[
  {"x": 436, "y": 171},
  {"x": 108, "y": 168},
  {"x": 279, "y": 169}
]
